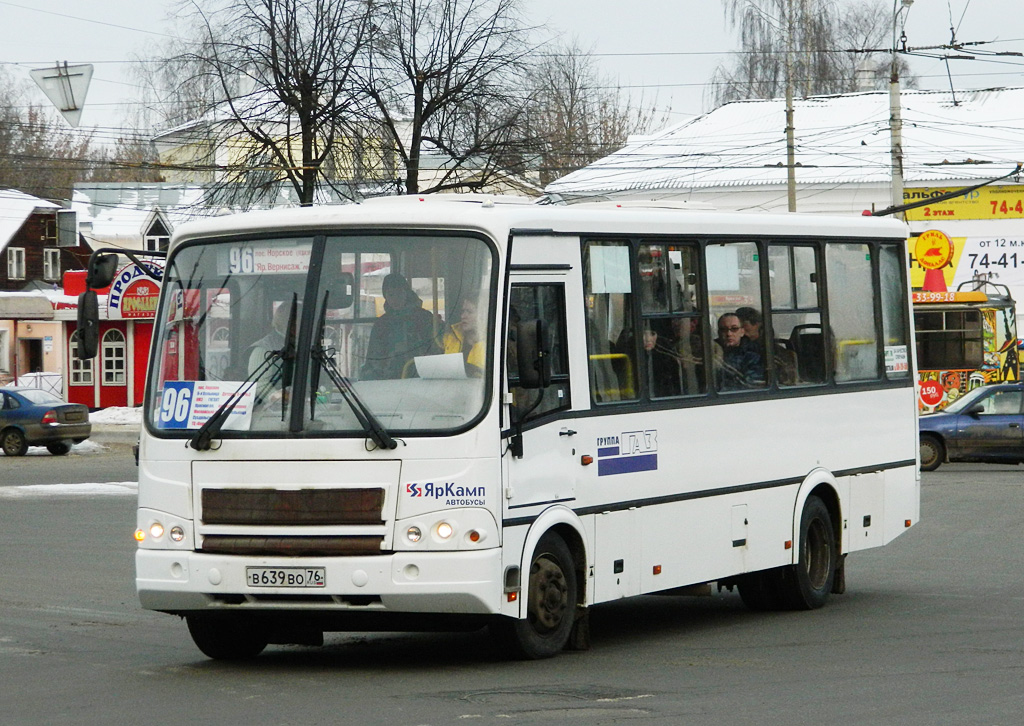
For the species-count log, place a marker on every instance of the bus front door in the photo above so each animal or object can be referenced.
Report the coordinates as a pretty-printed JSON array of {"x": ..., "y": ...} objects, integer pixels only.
[{"x": 541, "y": 437}]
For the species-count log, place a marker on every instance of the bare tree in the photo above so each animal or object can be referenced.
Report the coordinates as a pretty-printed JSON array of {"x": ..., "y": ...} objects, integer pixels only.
[
  {"x": 814, "y": 38},
  {"x": 578, "y": 115},
  {"x": 281, "y": 72},
  {"x": 448, "y": 76}
]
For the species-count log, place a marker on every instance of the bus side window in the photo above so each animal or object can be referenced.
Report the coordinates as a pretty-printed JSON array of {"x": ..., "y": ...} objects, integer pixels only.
[
  {"x": 798, "y": 340},
  {"x": 608, "y": 289},
  {"x": 547, "y": 303},
  {"x": 851, "y": 308}
]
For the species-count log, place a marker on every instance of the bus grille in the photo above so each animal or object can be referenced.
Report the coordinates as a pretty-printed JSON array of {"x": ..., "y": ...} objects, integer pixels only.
[
  {"x": 276, "y": 507},
  {"x": 289, "y": 546}
]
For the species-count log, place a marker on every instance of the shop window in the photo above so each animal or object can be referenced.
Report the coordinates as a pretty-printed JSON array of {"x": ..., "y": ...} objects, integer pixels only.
[
  {"x": 114, "y": 358},
  {"x": 81, "y": 370}
]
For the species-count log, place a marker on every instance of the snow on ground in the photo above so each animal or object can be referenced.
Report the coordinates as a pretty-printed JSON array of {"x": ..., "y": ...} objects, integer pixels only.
[
  {"x": 117, "y": 415},
  {"x": 122, "y": 488}
]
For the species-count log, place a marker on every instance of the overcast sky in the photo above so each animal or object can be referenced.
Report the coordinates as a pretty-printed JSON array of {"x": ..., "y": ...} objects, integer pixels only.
[{"x": 667, "y": 48}]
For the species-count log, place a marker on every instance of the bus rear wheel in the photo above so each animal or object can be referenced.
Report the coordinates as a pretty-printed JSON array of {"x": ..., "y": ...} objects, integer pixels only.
[
  {"x": 551, "y": 598},
  {"x": 227, "y": 638}
]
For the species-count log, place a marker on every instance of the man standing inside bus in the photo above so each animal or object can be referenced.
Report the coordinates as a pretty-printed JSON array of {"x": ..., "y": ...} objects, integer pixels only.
[{"x": 738, "y": 364}]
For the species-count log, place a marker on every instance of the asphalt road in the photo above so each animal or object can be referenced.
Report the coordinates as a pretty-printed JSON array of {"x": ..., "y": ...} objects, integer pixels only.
[
  {"x": 91, "y": 461},
  {"x": 930, "y": 632}
]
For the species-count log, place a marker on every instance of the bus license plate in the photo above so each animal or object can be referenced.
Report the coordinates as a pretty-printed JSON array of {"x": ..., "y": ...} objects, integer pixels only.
[{"x": 285, "y": 576}]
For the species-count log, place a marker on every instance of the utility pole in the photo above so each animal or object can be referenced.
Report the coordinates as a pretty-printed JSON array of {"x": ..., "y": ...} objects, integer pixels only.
[
  {"x": 790, "y": 143},
  {"x": 895, "y": 117}
]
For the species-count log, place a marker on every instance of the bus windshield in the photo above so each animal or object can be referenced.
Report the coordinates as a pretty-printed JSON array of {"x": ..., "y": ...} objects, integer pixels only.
[{"x": 324, "y": 335}]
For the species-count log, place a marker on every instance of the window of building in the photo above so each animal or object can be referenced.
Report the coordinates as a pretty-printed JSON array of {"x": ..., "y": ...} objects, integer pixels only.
[
  {"x": 157, "y": 237},
  {"x": 81, "y": 370},
  {"x": 114, "y": 358},
  {"x": 156, "y": 242},
  {"x": 51, "y": 264},
  {"x": 15, "y": 263},
  {"x": 49, "y": 230}
]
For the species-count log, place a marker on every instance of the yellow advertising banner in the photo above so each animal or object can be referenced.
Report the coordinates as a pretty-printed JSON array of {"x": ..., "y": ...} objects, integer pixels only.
[{"x": 1003, "y": 202}]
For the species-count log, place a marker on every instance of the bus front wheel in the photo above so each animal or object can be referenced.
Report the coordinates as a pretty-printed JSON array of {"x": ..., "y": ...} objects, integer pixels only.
[
  {"x": 227, "y": 638},
  {"x": 551, "y": 597}
]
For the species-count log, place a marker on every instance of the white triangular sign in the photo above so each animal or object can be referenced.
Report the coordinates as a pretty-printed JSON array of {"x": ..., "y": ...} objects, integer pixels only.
[{"x": 66, "y": 87}]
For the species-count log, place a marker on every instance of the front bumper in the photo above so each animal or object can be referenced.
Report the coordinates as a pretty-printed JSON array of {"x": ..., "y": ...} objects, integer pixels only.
[{"x": 403, "y": 582}]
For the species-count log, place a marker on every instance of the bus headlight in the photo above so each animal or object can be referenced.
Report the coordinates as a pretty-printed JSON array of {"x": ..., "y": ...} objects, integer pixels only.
[
  {"x": 177, "y": 533},
  {"x": 452, "y": 529},
  {"x": 156, "y": 530}
]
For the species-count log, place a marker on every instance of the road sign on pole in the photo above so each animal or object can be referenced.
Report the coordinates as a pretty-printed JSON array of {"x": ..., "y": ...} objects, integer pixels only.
[{"x": 66, "y": 87}]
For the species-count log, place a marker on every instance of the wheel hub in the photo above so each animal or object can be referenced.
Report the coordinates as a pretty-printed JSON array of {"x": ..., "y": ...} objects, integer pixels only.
[{"x": 549, "y": 597}]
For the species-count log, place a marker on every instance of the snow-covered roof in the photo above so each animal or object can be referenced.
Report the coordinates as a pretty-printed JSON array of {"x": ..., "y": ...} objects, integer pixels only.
[
  {"x": 121, "y": 214},
  {"x": 839, "y": 139},
  {"x": 15, "y": 208}
]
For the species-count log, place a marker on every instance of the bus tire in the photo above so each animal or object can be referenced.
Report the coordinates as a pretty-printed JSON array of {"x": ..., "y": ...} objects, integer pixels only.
[
  {"x": 227, "y": 638},
  {"x": 760, "y": 590},
  {"x": 551, "y": 597},
  {"x": 933, "y": 453},
  {"x": 807, "y": 584}
]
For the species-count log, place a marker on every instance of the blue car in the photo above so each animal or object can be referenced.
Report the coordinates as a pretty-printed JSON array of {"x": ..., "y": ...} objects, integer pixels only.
[
  {"x": 986, "y": 424},
  {"x": 30, "y": 417}
]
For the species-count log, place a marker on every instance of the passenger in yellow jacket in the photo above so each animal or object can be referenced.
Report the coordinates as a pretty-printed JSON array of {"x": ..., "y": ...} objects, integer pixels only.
[{"x": 464, "y": 337}]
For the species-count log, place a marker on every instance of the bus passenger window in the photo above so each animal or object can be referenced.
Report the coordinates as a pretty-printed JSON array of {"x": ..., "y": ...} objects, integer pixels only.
[
  {"x": 734, "y": 282},
  {"x": 609, "y": 300},
  {"x": 894, "y": 312},
  {"x": 851, "y": 307},
  {"x": 798, "y": 349}
]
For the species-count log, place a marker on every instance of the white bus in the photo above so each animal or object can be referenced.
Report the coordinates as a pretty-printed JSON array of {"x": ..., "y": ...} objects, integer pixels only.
[{"x": 450, "y": 413}]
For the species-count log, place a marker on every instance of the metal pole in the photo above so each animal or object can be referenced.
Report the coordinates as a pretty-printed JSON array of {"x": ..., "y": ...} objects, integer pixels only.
[{"x": 790, "y": 143}]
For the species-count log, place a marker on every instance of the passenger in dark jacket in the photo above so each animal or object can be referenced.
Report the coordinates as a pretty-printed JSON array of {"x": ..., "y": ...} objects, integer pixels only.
[
  {"x": 738, "y": 361},
  {"x": 404, "y": 331}
]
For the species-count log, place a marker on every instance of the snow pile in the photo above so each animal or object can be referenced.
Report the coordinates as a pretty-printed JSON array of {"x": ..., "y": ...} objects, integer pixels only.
[
  {"x": 123, "y": 488},
  {"x": 117, "y": 415}
]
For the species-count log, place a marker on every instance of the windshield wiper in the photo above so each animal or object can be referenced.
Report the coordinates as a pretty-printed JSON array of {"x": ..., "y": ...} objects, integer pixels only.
[
  {"x": 200, "y": 441},
  {"x": 373, "y": 428}
]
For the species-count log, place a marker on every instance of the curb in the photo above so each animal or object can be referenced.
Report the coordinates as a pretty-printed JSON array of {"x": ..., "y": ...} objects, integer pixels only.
[{"x": 114, "y": 434}]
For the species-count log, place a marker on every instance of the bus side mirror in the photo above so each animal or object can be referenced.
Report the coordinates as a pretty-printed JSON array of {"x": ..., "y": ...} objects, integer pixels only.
[
  {"x": 102, "y": 269},
  {"x": 532, "y": 354},
  {"x": 88, "y": 325}
]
